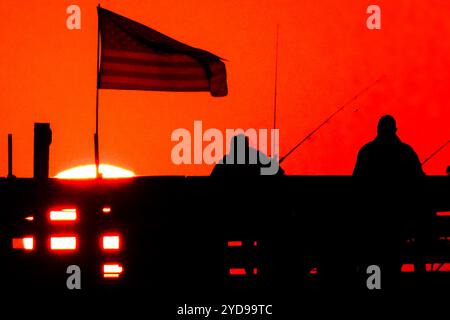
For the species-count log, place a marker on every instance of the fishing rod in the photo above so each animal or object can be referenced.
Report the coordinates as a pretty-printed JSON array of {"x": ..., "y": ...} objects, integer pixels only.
[
  {"x": 309, "y": 135},
  {"x": 435, "y": 152}
]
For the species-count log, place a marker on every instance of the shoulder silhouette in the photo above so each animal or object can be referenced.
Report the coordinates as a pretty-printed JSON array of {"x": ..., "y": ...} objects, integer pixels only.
[
  {"x": 387, "y": 155},
  {"x": 242, "y": 160}
]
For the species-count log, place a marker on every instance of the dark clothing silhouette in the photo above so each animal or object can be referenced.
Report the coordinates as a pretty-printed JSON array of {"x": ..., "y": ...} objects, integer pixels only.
[
  {"x": 387, "y": 157},
  {"x": 242, "y": 161},
  {"x": 227, "y": 168}
]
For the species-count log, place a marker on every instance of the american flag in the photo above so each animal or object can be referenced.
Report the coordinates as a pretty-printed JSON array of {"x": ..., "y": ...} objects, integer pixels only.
[{"x": 136, "y": 57}]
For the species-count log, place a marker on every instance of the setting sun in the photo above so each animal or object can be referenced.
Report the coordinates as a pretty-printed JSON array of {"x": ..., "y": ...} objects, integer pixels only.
[{"x": 88, "y": 172}]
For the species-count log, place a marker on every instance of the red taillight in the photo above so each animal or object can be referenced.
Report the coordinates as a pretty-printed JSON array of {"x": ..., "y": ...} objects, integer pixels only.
[
  {"x": 63, "y": 243},
  {"x": 106, "y": 210},
  {"x": 29, "y": 218},
  {"x": 111, "y": 242},
  {"x": 237, "y": 271},
  {"x": 26, "y": 243},
  {"x": 112, "y": 270},
  {"x": 407, "y": 267},
  {"x": 63, "y": 215},
  {"x": 235, "y": 243},
  {"x": 111, "y": 275}
]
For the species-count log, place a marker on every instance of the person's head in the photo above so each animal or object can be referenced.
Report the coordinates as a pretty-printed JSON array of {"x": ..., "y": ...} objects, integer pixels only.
[
  {"x": 240, "y": 143},
  {"x": 387, "y": 127},
  {"x": 239, "y": 148}
]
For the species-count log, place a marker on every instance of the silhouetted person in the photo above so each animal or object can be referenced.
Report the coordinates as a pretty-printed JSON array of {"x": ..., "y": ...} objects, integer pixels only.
[
  {"x": 387, "y": 155},
  {"x": 388, "y": 158},
  {"x": 244, "y": 166},
  {"x": 242, "y": 161}
]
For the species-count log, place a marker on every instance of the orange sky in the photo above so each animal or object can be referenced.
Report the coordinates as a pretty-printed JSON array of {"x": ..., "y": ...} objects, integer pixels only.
[{"x": 326, "y": 55}]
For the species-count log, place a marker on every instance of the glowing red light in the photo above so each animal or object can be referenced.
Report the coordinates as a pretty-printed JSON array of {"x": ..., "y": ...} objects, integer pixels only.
[
  {"x": 63, "y": 243},
  {"x": 111, "y": 242},
  {"x": 69, "y": 214},
  {"x": 26, "y": 243},
  {"x": 112, "y": 270},
  {"x": 443, "y": 214},
  {"x": 235, "y": 243},
  {"x": 29, "y": 218},
  {"x": 106, "y": 210},
  {"x": 238, "y": 271},
  {"x": 407, "y": 267}
]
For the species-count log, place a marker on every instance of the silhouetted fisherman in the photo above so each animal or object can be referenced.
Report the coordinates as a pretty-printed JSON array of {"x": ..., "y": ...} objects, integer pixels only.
[
  {"x": 387, "y": 155},
  {"x": 238, "y": 174},
  {"x": 242, "y": 161},
  {"x": 388, "y": 158}
]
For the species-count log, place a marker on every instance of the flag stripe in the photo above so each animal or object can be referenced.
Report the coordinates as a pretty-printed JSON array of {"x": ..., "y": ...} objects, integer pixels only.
[
  {"x": 214, "y": 67},
  {"x": 150, "y": 56},
  {"x": 125, "y": 86},
  {"x": 149, "y": 83},
  {"x": 139, "y": 68},
  {"x": 163, "y": 76},
  {"x": 156, "y": 63},
  {"x": 158, "y": 73}
]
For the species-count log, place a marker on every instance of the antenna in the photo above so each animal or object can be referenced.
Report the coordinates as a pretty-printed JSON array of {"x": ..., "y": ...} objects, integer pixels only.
[{"x": 276, "y": 82}]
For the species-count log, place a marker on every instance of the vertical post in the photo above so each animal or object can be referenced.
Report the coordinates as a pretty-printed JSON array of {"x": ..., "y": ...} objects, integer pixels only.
[
  {"x": 96, "y": 146},
  {"x": 42, "y": 141},
  {"x": 10, "y": 157}
]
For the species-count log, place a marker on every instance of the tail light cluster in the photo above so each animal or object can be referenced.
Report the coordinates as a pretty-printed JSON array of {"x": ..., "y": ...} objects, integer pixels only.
[
  {"x": 112, "y": 270},
  {"x": 63, "y": 218},
  {"x": 26, "y": 243},
  {"x": 242, "y": 271},
  {"x": 111, "y": 243}
]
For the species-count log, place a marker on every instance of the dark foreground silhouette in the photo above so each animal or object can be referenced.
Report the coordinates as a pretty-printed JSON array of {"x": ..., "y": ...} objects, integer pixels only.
[
  {"x": 242, "y": 161},
  {"x": 384, "y": 162},
  {"x": 184, "y": 238},
  {"x": 387, "y": 155}
]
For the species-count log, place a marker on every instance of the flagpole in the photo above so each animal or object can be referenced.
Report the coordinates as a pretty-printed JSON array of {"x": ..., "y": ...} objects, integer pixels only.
[{"x": 96, "y": 146}]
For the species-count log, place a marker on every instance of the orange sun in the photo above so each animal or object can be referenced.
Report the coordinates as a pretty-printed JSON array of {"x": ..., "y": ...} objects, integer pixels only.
[{"x": 88, "y": 172}]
